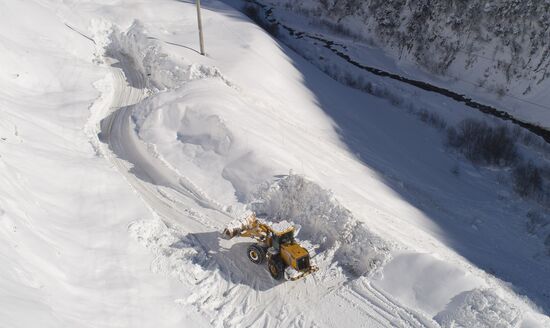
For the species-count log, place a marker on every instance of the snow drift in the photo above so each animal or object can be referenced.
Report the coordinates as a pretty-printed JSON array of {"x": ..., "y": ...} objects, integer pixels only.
[
  {"x": 134, "y": 49},
  {"x": 479, "y": 309}
]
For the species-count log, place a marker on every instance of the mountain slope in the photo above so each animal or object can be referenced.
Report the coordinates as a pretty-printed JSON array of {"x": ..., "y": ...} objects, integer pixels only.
[
  {"x": 494, "y": 51},
  {"x": 126, "y": 152}
]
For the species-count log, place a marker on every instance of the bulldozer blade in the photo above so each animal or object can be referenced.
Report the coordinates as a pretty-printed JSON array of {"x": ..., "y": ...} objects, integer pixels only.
[
  {"x": 229, "y": 233},
  {"x": 303, "y": 274}
]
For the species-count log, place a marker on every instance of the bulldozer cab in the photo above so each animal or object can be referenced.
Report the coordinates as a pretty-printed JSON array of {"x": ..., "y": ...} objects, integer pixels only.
[{"x": 279, "y": 239}]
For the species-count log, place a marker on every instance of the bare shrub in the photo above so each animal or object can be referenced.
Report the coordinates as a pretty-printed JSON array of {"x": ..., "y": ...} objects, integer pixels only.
[
  {"x": 545, "y": 172},
  {"x": 527, "y": 180},
  {"x": 431, "y": 118},
  {"x": 271, "y": 28},
  {"x": 536, "y": 143},
  {"x": 337, "y": 28},
  {"x": 253, "y": 12},
  {"x": 351, "y": 81},
  {"x": 455, "y": 170},
  {"x": 500, "y": 91},
  {"x": 383, "y": 92},
  {"x": 483, "y": 144},
  {"x": 367, "y": 87},
  {"x": 535, "y": 222}
]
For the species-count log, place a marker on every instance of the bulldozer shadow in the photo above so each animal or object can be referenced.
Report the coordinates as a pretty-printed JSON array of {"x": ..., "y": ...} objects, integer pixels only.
[{"x": 230, "y": 258}]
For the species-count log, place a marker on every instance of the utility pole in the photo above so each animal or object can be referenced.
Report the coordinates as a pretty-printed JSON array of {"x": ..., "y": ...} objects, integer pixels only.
[{"x": 200, "y": 25}]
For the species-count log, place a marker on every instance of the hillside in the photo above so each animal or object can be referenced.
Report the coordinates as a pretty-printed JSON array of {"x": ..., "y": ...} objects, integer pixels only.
[
  {"x": 124, "y": 153},
  {"x": 496, "y": 51}
]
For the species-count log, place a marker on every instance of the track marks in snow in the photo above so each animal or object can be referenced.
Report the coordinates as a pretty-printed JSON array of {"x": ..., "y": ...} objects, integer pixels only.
[
  {"x": 224, "y": 299},
  {"x": 389, "y": 308}
]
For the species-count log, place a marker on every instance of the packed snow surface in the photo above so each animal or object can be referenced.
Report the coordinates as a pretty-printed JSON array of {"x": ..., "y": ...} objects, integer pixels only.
[{"x": 124, "y": 153}]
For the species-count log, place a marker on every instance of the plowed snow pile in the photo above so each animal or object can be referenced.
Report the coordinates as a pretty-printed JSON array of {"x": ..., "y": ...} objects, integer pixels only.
[
  {"x": 324, "y": 222},
  {"x": 479, "y": 309},
  {"x": 132, "y": 48}
]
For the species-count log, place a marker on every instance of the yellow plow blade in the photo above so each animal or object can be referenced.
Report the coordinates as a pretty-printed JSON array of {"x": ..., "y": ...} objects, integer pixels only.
[{"x": 304, "y": 273}]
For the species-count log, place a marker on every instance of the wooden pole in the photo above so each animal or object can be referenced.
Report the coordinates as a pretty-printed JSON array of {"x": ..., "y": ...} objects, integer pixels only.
[{"x": 201, "y": 40}]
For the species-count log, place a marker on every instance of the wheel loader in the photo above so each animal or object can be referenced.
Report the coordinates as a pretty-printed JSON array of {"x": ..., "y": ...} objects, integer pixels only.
[{"x": 275, "y": 244}]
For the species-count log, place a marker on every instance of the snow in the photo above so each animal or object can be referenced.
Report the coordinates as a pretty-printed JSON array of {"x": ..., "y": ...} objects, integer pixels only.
[
  {"x": 325, "y": 222},
  {"x": 499, "y": 62},
  {"x": 479, "y": 308},
  {"x": 64, "y": 229},
  {"x": 438, "y": 281},
  {"x": 123, "y": 157},
  {"x": 281, "y": 226}
]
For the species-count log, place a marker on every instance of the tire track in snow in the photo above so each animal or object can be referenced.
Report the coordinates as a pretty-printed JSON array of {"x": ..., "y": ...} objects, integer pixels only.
[{"x": 364, "y": 290}]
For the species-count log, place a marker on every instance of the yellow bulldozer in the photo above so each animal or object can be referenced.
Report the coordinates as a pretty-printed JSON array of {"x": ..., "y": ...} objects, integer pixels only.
[{"x": 275, "y": 244}]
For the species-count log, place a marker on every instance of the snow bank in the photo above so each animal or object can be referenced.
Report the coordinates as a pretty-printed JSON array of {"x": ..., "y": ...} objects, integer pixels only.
[
  {"x": 281, "y": 226},
  {"x": 206, "y": 131},
  {"x": 453, "y": 296},
  {"x": 324, "y": 222},
  {"x": 479, "y": 309},
  {"x": 176, "y": 253},
  {"x": 133, "y": 48},
  {"x": 429, "y": 283},
  {"x": 187, "y": 129}
]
